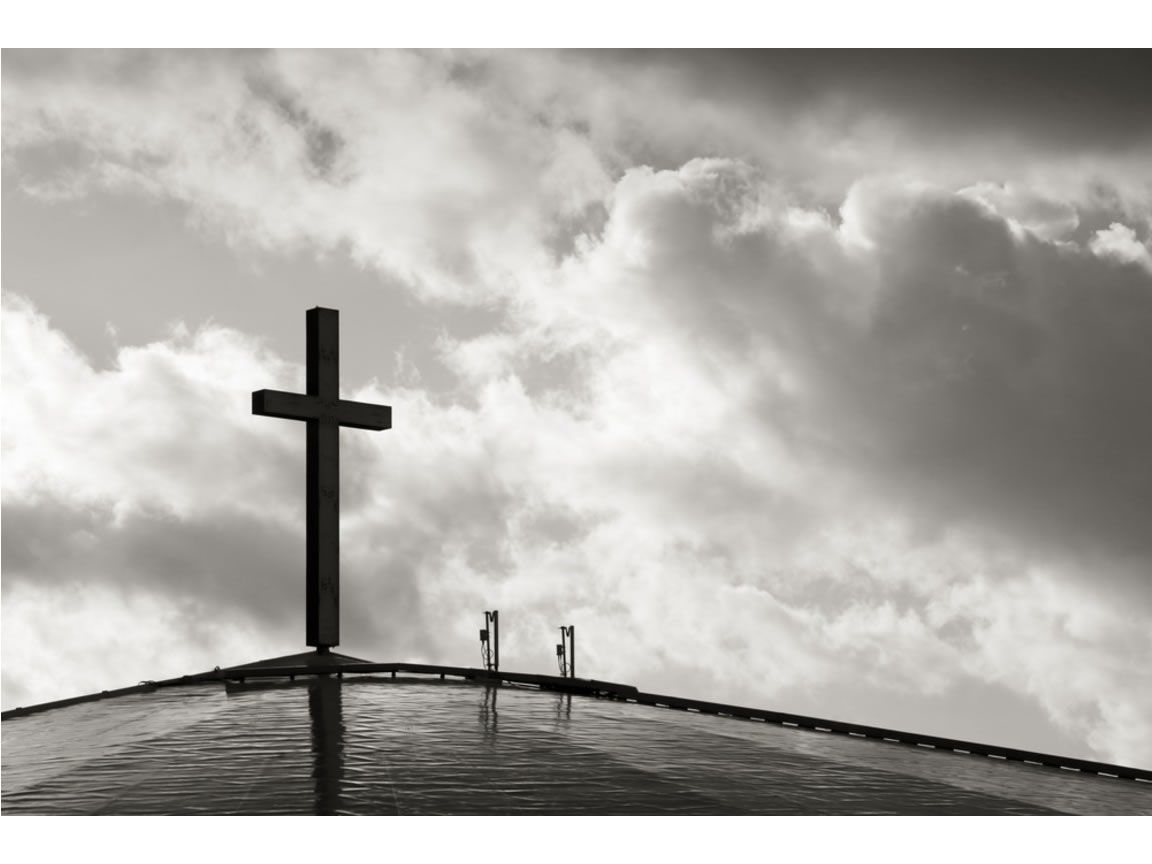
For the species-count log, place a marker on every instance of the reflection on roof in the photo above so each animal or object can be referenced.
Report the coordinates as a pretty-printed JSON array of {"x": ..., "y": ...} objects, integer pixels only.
[{"x": 374, "y": 745}]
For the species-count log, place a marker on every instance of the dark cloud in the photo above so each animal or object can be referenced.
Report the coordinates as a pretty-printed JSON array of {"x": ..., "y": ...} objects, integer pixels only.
[
  {"x": 1056, "y": 98},
  {"x": 222, "y": 561},
  {"x": 994, "y": 380},
  {"x": 221, "y": 564},
  {"x": 1001, "y": 381}
]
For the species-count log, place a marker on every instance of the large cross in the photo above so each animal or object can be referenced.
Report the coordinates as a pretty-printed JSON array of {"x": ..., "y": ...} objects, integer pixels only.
[{"x": 324, "y": 412}]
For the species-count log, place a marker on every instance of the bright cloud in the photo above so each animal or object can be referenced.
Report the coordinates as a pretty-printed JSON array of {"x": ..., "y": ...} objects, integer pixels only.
[{"x": 1119, "y": 242}]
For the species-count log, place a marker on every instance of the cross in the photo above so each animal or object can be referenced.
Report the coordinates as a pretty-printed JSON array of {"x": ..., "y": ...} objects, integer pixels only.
[{"x": 323, "y": 412}]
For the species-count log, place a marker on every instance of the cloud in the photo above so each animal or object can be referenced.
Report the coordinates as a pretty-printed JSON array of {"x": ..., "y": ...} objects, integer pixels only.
[
  {"x": 61, "y": 641},
  {"x": 784, "y": 429},
  {"x": 435, "y": 182},
  {"x": 1119, "y": 243},
  {"x": 1025, "y": 211},
  {"x": 467, "y": 173}
]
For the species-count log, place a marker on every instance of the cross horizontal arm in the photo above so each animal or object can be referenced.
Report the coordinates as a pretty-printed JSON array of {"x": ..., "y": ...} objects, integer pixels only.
[
  {"x": 363, "y": 415},
  {"x": 299, "y": 406},
  {"x": 288, "y": 406}
]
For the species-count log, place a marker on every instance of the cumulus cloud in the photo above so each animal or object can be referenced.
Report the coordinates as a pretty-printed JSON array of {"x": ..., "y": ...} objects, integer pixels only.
[
  {"x": 1120, "y": 243},
  {"x": 760, "y": 440}
]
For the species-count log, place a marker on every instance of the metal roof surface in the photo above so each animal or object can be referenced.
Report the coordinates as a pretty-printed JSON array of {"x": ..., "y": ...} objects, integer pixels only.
[{"x": 396, "y": 746}]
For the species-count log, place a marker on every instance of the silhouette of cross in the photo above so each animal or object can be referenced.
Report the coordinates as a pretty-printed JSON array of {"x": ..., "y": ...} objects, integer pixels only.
[{"x": 324, "y": 412}]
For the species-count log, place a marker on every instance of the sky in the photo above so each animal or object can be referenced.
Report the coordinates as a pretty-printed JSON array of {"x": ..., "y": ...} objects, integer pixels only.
[{"x": 807, "y": 381}]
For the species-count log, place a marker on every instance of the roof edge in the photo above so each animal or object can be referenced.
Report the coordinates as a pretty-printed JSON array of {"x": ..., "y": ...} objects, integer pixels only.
[{"x": 292, "y": 666}]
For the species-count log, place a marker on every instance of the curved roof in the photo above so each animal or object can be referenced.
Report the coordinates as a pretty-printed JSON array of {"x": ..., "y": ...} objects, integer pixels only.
[{"x": 382, "y": 745}]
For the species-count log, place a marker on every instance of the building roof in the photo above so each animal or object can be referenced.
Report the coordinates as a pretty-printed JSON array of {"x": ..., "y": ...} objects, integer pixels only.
[{"x": 377, "y": 744}]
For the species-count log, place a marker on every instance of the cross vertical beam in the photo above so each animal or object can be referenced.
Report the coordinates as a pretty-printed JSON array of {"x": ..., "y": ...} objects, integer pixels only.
[
  {"x": 323, "y": 470},
  {"x": 323, "y": 412}
]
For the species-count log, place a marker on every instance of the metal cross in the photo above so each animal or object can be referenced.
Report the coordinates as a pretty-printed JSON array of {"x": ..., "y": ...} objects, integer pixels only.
[{"x": 324, "y": 412}]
